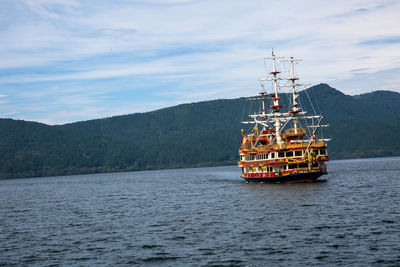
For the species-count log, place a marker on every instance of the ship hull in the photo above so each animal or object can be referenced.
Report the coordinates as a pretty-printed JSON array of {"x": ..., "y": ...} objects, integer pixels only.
[{"x": 298, "y": 177}]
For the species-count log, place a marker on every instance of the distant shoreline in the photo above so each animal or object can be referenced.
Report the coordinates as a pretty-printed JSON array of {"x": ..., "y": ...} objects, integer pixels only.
[{"x": 198, "y": 167}]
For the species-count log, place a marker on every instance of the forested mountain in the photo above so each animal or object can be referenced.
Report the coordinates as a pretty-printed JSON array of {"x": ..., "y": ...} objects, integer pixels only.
[{"x": 189, "y": 135}]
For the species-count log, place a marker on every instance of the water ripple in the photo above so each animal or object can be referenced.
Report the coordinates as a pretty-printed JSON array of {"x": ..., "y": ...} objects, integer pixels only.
[{"x": 204, "y": 217}]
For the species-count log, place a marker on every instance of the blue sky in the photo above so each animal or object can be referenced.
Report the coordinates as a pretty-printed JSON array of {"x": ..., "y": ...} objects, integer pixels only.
[{"x": 69, "y": 60}]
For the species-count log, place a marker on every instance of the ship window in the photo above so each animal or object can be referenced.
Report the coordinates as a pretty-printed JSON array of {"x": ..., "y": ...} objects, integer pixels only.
[
  {"x": 292, "y": 166},
  {"x": 289, "y": 154},
  {"x": 281, "y": 154},
  {"x": 272, "y": 155},
  {"x": 303, "y": 165},
  {"x": 298, "y": 153},
  {"x": 322, "y": 152}
]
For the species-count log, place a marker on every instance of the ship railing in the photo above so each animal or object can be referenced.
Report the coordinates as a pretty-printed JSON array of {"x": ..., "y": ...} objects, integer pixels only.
[
  {"x": 307, "y": 141},
  {"x": 305, "y": 170}
]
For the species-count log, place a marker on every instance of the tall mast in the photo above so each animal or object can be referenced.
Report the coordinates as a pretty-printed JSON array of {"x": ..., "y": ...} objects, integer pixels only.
[
  {"x": 293, "y": 80},
  {"x": 276, "y": 106},
  {"x": 274, "y": 73},
  {"x": 262, "y": 93}
]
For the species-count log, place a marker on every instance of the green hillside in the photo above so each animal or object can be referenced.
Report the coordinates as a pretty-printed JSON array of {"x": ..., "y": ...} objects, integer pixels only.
[{"x": 189, "y": 135}]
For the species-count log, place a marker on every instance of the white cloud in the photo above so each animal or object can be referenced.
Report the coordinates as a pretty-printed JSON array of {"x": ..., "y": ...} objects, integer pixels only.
[
  {"x": 212, "y": 49},
  {"x": 53, "y": 9}
]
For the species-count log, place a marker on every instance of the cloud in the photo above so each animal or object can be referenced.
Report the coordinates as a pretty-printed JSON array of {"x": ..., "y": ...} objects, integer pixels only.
[
  {"x": 53, "y": 9},
  {"x": 382, "y": 41},
  {"x": 181, "y": 50},
  {"x": 381, "y": 80}
]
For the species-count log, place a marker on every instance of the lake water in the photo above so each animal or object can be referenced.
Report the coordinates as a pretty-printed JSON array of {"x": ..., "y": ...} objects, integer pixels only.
[{"x": 204, "y": 216}]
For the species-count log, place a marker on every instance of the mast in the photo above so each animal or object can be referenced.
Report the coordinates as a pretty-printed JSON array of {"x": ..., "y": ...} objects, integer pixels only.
[
  {"x": 276, "y": 117},
  {"x": 262, "y": 93},
  {"x": 293, "y": 80},
  {"x": 276, "y": 106}
]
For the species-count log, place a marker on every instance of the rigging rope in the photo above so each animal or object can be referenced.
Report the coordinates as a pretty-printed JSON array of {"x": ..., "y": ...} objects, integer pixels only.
[
  {"x": 312, "y": 106},
  {"x": 305, "y": 120},
  {"x": 319, "y": 112}
]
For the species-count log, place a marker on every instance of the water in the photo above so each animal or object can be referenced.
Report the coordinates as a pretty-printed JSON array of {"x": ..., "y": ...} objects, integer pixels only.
[{"x": 204, "y": 216}]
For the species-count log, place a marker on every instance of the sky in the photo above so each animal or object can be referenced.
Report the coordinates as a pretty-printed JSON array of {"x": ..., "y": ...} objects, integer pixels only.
[{"x": 64, "y": 61}]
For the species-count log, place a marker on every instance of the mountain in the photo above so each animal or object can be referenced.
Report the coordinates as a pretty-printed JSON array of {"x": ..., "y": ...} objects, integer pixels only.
[{"x": 190, "y": 135}]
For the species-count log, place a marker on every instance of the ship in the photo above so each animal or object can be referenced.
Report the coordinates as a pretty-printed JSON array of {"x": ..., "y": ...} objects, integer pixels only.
[{"x": 282, "y": 144}]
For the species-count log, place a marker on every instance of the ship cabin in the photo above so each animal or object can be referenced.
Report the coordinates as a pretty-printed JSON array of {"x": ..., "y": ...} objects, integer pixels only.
[{"x": 294, "y": 134}]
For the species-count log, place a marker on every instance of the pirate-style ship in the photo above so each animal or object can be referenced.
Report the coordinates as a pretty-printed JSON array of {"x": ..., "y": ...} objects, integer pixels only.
[{"x": 282, "y": 146}]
